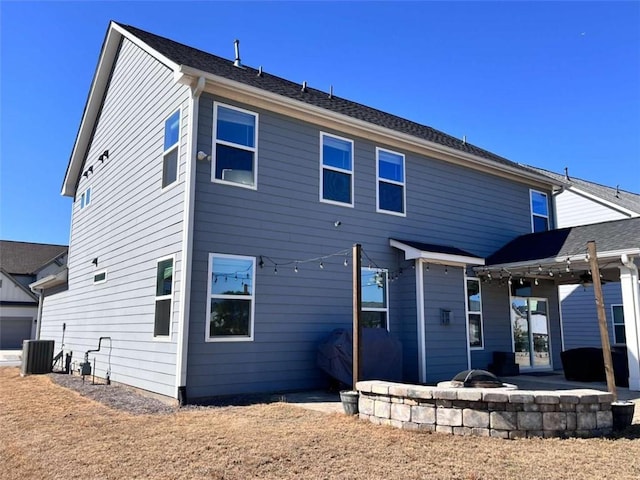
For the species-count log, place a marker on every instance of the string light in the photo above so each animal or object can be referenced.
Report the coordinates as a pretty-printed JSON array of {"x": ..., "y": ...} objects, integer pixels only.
[
  {"x": 295, "y": 269},
  {"x": 321, "y": 264},
  {"x": 536, "y": 281},
  {"x": 346, "y": 262}
]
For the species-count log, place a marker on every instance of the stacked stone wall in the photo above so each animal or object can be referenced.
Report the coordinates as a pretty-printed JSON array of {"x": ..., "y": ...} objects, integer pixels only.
[{"x": 494, "y": 412}]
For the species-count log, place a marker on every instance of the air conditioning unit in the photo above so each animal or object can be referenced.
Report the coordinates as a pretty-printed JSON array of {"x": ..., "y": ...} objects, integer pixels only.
[{"x": 37, "y": 357}]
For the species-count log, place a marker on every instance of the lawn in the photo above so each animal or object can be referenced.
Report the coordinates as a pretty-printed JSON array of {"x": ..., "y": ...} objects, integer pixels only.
[{"x": 48, "y": 431}]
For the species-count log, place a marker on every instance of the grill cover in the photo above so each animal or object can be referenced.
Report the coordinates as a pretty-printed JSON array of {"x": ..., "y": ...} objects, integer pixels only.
[{"x": 381, "y": 355}]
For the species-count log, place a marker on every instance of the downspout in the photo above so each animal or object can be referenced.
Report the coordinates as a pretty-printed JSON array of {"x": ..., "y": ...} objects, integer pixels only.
[
  {"x": 187, "y": 245},
  {"x": 422, "y": 338},
  {"x": 40, "y": 294}
]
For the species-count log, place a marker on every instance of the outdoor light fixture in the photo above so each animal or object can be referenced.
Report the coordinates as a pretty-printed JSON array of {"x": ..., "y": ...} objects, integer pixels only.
[{"x": 203, "y": 156}]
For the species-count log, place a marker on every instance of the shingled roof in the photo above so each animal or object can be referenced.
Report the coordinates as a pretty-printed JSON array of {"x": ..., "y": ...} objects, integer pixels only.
[
  {"x": 617, "y": 235},
  {"x": 23, "y": 258},
  {"x": 622, "y": 198},
  {"x": 206, "y": 62}
]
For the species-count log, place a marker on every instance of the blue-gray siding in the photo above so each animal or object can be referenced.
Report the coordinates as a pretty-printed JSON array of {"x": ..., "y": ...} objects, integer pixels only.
[
  {"x": 129, "y": 224},
  {"x": 284, "y": 219}
]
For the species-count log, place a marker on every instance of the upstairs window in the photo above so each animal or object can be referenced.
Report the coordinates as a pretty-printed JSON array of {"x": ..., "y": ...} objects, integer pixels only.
[
  {"x": 235, "y": 150},
  {"x": 474, "y": 313},
  {"x": 391, "y": 191},
  {"x": 85, "y": 198},
  {"x": 336, "y": 162},
  {"x": 539, "y": 211},
  {"x": 231, "y": 297},
  {"x": 375, "y": 305},
  {"x": 164, "y": 290},
  {"x": 170, "y": 156},
  {"x": 619, "y": 333}
]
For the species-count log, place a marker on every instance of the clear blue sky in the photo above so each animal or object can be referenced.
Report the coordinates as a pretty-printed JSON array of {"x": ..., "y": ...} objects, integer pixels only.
[{"x": 542, "y": 83}]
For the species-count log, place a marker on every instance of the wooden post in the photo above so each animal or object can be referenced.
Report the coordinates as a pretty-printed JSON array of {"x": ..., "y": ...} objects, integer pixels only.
[
  {"x": 602, "y": 319},
  {"x": 357, "y": 308}
]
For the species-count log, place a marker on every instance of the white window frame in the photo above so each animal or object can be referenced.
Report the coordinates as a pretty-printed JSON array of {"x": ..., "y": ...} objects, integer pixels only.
[
  {"x": 472, "y": 312},
  {"x": 402, "y": 184},
  {"x": 336, "y": 169},
  {"x": 252, "y": 298},
  {"x": 100, "y": 272},
  {"x": 531, "y": 192},
  {"x": 83, "y": 198},
  {"x": 175, "y": 146},
  {"x": 254, "y": 149},
  {"x": 386, "y": 278},
  {"x": 613, "y": 324},
  {"x": 169, "y": 297}
]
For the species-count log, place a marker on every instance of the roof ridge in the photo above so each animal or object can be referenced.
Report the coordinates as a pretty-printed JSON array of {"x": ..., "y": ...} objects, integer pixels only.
[{"x": 571, "y": 177}]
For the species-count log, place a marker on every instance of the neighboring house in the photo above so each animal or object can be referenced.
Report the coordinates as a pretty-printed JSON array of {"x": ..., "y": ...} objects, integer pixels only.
[
  {"x": 581, "y": 202},
  {"x": 216, "y": 207},
  {"x": 22, "y": 263}
]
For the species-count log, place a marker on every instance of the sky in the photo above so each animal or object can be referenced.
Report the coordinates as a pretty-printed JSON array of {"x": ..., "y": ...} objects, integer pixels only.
[{"x": 549, "y": 84}]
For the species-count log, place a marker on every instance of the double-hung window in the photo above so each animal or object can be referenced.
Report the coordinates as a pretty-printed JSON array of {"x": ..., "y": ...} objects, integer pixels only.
[
  {"x": 391, "y": 191},
  {"x": 474, "y": 313},
  {"x": 231, "y": 297},
  {"x": 85, "y": 198},
  {"x": 235, "y": 159},
  {"x": 375, "y": 304},
  {"x": 164, "y": 290},
  {"x": 336, "y": 170},
  {"x": 170, "y": 155},
  {"x": 619, "y": 332},
  {"x": 539, "y": 211}
]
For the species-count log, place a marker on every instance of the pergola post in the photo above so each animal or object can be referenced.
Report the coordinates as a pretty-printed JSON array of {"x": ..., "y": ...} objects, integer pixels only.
[
  {"x": 602, "y": 319},
  {"x": 631, "y": 307}
]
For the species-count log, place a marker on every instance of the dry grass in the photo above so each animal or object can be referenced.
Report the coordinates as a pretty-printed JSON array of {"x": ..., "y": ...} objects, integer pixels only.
[{"x": 51, "y": 432}]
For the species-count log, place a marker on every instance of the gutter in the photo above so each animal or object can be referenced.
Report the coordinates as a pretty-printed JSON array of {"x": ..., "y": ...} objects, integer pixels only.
[{"x": 38, "y": 288}]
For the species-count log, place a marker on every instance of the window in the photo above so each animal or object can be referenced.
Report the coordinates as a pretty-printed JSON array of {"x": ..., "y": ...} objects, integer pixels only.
[
  {"x": 619, "y": 332},
  {"x": 170, "y": 156},
  {"x": 231, "y": 297},
  {"x": 375, "y": 306},
  {"x": 336, "y": 176},
  {"x": 474, "y": 313},
  {"x": 391, "y": 192},
  {"x": 85, "y": 198},
  {"x": 100, "y": 277},
  {"x": 539, "y": 211},
  {"x": 235, "y": 150},
  {"x": 164, "y": 289}
]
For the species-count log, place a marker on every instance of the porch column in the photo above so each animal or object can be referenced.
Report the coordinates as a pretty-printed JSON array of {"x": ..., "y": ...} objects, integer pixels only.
[{"x": 631, "y": 308}]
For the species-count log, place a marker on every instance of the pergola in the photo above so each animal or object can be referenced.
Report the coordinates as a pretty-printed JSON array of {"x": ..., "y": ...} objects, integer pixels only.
[{"x": 561, "y": 256}]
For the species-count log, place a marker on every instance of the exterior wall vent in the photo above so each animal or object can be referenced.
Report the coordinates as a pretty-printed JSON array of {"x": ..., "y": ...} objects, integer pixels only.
[{"x": 37, "y": 357}]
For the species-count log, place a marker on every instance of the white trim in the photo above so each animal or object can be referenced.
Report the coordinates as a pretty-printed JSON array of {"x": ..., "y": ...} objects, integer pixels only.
[
  {"x": 393, "y": 182},
  {"x": 469, "y": 312},
  {"x": 251, "y": 297},
  {"x": 336, "y": 169},
  {"x": 175, "y": 146},
  {"x": 602, "y": 201},
  {"x": 546, "y": 195},
  {"x": 169, "y": 297},
  {"x": 421, "y": 334},
  {"x": 238, "y": 146},
  {"x": 50, "y": 280},
  {"x": 613, "y": 323},
  {"x": 386, "y": 291},
  {"x": 99, "y": 272},
  {"x": 182, "y": 344},
  {"x": 452, "y": 260}
]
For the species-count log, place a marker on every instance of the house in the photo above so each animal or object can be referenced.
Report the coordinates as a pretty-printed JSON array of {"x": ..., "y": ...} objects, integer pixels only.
[
  {"x": 581, "y": 202},
  {"x": 22, "y": 263},
  {"x": 216, "y": 209}
]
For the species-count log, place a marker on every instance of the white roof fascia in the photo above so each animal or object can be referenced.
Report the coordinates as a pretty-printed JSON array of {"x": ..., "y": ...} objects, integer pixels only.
[
  {"x": 281, "y": 104},
  {"x": 50, "y": 281},
  {"x": 604, "y": 202},
  {"x": 115, "y": 33},
  {"x": 412, "y": 253},
  {"x": 553, "y": 261}
]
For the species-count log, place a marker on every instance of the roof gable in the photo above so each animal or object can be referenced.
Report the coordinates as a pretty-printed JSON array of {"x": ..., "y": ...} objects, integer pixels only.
[
  {"x": 177, "y": 56},
  {"x": 24, "y": 258},
  {"x": 22, "y": 294}
]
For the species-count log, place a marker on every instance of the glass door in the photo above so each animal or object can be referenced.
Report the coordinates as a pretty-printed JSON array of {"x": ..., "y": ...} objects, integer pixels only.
[{"x": 530, "y": 332}]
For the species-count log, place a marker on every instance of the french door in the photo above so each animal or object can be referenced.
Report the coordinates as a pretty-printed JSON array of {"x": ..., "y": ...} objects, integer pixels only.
[{"x": 530, "y": 332}]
